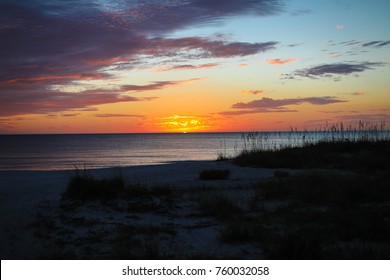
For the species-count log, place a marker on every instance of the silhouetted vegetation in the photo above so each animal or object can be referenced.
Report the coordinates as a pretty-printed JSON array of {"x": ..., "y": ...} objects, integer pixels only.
[
  {"x": 317, "y": 216},
  {"x": 84, "y": 186},
  {"x": 362, "y": 155}
]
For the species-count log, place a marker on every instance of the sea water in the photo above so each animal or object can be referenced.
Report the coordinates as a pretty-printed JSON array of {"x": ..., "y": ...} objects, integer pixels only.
[{"x": 62, "y": 152}]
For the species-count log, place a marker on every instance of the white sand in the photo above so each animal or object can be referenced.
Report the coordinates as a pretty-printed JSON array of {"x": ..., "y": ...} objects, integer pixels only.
[{"x": 23, "y": 192}]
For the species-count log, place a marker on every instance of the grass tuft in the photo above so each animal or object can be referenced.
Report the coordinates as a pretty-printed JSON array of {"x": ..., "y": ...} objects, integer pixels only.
[{"x": 82, "y": 185}]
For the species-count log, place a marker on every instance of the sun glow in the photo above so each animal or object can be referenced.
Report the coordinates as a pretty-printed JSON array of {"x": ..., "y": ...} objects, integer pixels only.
[{"x": 177, "y": 123}]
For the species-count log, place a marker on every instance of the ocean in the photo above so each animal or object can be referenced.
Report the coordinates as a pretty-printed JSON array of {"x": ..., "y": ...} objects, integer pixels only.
[{"x": 64, "y": 152}]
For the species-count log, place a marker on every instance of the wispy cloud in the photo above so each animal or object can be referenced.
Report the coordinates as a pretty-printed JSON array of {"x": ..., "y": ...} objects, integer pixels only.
[
  {"x": 269, "y": 105},
  {"x": 155, "y": 85},
  {"x": 335, "y": 70},
  {"x": 253, "y": 92},
  {"x": 340, "y": 26},
  {"x": 357, "y": 93},
  {"x": 187, "y": 67},
  {"x": 278, "y": 61},
  {"x": 354, "y": 47},
  {"x": 376, "y": 44}
]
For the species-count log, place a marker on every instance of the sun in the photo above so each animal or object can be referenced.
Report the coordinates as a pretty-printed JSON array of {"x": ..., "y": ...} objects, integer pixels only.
[{"x": 177, "y": 123}]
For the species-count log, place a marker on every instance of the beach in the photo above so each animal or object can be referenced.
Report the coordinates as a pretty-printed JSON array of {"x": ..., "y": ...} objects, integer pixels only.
[
  {"x": 328, "y": 200},
  {"x": 26, "y": 195}
]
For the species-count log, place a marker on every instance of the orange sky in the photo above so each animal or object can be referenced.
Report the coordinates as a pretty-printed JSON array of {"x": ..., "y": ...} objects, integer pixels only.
[{"x": 192, "y": 66}]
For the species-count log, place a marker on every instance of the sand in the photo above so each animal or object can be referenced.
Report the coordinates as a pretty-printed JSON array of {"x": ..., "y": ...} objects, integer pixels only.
[{"x": 24, "y": 194}]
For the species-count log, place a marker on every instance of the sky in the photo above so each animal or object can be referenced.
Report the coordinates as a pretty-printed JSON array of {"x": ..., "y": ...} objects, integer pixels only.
[{"x": 136, "y": 66}]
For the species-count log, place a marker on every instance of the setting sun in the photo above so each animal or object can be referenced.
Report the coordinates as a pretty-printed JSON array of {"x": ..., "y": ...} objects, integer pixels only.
[{"x": 177, "y": 123}]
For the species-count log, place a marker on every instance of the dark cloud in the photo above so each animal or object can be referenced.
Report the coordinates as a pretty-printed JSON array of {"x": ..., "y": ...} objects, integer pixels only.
[
  {"x": 69, "y": 115},
  {"x": 354, "y": 47},
  {"x": 376, "y": 44},
  {"x": 46, "y": 43},
  {"x": 46, "y": 102},
  {"x": 335, "y": 70},
  {"x": 205, "y": 48},
  {"x": 187, "y": 67},
  {"x": 269, "y": 105},
  {"x": 154, "y": 85}
]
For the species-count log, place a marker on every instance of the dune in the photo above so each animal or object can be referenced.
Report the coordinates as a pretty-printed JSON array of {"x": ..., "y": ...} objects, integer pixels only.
[{"x": 25, "y": 194}]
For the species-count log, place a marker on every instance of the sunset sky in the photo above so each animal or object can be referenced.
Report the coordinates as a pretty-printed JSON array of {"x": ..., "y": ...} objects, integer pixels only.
[{"x": 118, "y": 66}]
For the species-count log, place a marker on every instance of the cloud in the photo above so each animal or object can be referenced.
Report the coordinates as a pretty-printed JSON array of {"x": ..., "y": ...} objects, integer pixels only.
[
  {"x": 335, "y": 70},
  {"x": 269, "y": 105},
  {"x": 335, "y": 54},
  {"x": 376, "y": 44},
  {"x": 155, "y": 85},
  {"x": 257, "y": 111},
  {"x": 187, "y": 67},
  {"x": 254, "y": 92},
  {"x": 46, "y": 102},
  {"x": 365, "y": 117},
  {"x": 46, "y": 44},
  {"x": 357, "y": 93},
  {"x": 331, "y": 112},
  {"x": 69, "y": 115},
  {"x": 117, "y": 116},
  {"x": 278, "y": 61},
  {"x": 339, "y": 26},
  {"x": 354, "y": 47},
  {"x": 205, "y": 48}
]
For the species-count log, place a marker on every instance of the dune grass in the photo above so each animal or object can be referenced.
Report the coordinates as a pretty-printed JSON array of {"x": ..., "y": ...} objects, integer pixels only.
[
  {"x": 316, "y": 216},
  {"x": 323, "y": 147},
  {"x": 83, "y": 185}
]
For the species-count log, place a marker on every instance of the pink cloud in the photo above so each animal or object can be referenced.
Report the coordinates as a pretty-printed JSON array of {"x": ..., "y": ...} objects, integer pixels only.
[{"x": 278, "y": 61}]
